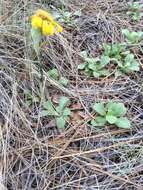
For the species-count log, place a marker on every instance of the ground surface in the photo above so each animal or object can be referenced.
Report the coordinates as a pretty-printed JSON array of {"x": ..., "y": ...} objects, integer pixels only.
[{"x": 34, "y": 153}]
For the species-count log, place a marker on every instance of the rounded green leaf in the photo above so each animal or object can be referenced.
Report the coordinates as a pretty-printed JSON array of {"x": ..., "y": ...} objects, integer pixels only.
[
  {"x": 96, "y": 74},
  {"x": 63, "y": 102},
  {"x": 81, "y": 66},
  {"x": 123, "y": 122},
  {"x": 111, "y": 119},
  {"x": 116, "y": 109},
  {"x": 53, "y": 73},
  {"x": 92, "y": 66},
  {"x": 129, "y": 57},
  {"x": 98, "y": 121},
  {"x": 64, "y": 81},
  {"x": 105, "y": 60},
  {"x": 83, "y": 54},
  {"x": 135, "y": 66},
  {"x": 66, "y": 112},
  {"x": 99, "y": 108},
  {"x": 61, "y": 122}
]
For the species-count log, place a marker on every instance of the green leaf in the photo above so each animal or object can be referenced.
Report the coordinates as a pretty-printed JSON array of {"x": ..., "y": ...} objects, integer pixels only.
[
  {"x": 116, "y": 109},
  {"x": 77, "y": 13},
  {"x": 88, "y": 72},
  {"x": 129, "y": 57},
  {"x": 61, "y": 122},
  {"x": 64, "y": 81},
  {"x": 63, "y": 102},
  {"x": 83, "y": 54},
  {"x": 111, "y": 119},
  {"x": 92, "y": 61},
  {"x": 123, "y": 122},
  {"x": 125, "y": 32},
  {"x": 116, "y": 49},
  {"x": 127, "y": 64},
  {"x": 53, "y": 73},
  {"x": 96, "y": 74},
  {"x": 67, "y": 14},
  {"x": 135, "y": 17},
  {"x": 99, "y": 108},
  {"x": 98, "y": 121},
  {"x": 105, "y": 60},
  {"x": 36, "y": 37},
  {"x": 107, "y": 49},
  {"x": 104, "y": 72},
  {"x": 35, "y": 99},
  {"x": 50, "y": 108},
  {"x": 44, "y": 113},
  {"x": 66, "y": 112},
  {"x": 134, "y": 37},
  {"x": 92, "y": 66},
  {"x": 135, "y": 66},
  {"x": 81, "y": 66}
]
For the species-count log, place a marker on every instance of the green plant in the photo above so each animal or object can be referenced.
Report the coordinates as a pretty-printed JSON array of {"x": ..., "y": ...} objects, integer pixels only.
[
  {"x": 114, "y": 51},
  {"x": 112, "y": 113},
  {"x": 67, "y": 17},
  {"x": 54, "y": 74},
  {"x": 129, "y": 64},
  {"x": 133, "y": 37},
  {"x": 61, "y": 112},
  {"x": 31, "y": 98},
  {"x": 120, "y": 55},
  {"x": 135, "y": 11},
  {"x": 94, "y": 66}
]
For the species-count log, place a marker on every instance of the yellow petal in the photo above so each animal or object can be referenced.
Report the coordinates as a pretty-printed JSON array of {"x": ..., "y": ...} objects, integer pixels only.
[
  {"x": 59, "y": 28},
  {"x": 51, "y": 29},
  {"x": 44, "y": 15},
  {"x": 47, "y": 28},
  {"x": 44, "y": 25},
  {"x": 36, "y": 22}
]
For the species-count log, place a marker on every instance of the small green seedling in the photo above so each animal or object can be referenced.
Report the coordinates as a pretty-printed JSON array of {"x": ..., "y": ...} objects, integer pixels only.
[
  {"x": 94, "y": 66},
  {"x": 54, "y": 74},
  {"x": 133, "y": 37},
  {"x": 112, "y": 113},
  {"x": 61, "y": 113},
  {"x": 135, "y": 11},
  {"x": 31, "y": 98},
  {"x": 129, "y": 64},
  {"x": 125, "y": 60},
  {"x": 66, "y": 17},
  {"x": 114, "y": 51}
]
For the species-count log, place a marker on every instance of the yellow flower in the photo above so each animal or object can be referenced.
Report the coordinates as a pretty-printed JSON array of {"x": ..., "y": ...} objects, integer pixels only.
[
  {"x": 36, "y": 22},
  {"x": 44, "y": 21},
  {"x": 47, "y": 28},
  {"x": 44, "y": 15}
]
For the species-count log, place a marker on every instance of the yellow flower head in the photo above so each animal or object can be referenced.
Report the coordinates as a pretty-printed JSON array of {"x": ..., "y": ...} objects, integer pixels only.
[
  {"x": 44, "y": 15},
  {"x": 44, "y": 21},
  {"x": 47, "y": 28},
  {"x": 36, "y": 22}
]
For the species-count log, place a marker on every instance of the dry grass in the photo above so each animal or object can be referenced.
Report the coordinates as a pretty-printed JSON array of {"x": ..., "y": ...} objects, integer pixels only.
[{"x": 34, "y": 153}]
